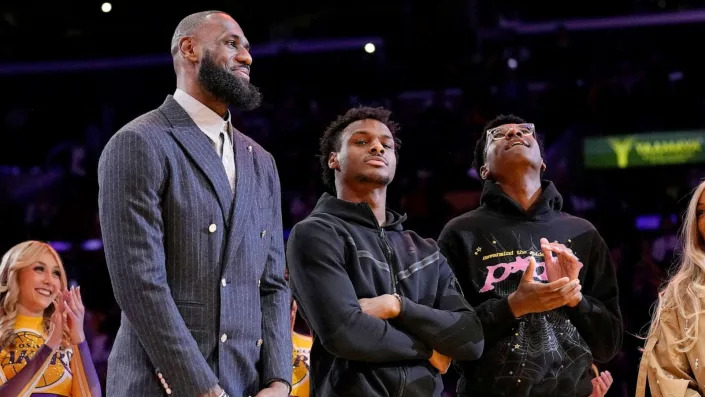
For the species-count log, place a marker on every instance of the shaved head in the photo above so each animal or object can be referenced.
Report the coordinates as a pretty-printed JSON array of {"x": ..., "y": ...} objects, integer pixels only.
[
  {"x": 212, "y": 61},
  {"x": 189, "y": 26}
]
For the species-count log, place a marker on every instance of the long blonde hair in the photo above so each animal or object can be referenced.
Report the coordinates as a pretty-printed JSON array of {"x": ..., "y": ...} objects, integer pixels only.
[
  {"x": 17, "y": 258},
  {"x": 685, "y": 291}
]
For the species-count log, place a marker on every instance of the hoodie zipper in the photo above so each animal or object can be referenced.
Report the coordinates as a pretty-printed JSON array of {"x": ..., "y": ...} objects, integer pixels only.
[
  {"x": 393, "y": 279},
  {"x": 402, "y": 384},
  {"x": 389, "y": 255}
]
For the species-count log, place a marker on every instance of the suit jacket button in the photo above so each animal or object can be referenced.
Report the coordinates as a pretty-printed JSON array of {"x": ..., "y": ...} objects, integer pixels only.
[
  {"x": 168, "y": 390},
  {"x": 212, "y": 228},
  {"x": 259, "y": 342},
  {"x": 223, "y": 338}
]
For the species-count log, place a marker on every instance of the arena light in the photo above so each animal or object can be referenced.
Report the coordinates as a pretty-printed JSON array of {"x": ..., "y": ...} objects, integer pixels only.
[
  {"x": 61, "y": 246},
  {"x": 106, "y": 7},
  {"x": 369, "y": 48},
  {"x": 94, "y": 244},
  {"x": 512, "y": 63}
]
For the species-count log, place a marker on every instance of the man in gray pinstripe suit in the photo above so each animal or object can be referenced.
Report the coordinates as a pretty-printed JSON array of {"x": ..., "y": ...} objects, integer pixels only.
[{"x": 191, "y": 219}]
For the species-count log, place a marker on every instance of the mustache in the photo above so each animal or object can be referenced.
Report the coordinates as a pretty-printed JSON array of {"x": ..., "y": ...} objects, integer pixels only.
[
  {"x": 246, "y": 67},
  {"x": 376, "y": 157}
]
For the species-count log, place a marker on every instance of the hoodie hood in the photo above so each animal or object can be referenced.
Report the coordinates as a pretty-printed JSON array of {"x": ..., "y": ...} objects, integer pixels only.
[
  {"x": 547, "y": 206},
  {"x": 358, "y": 213}
]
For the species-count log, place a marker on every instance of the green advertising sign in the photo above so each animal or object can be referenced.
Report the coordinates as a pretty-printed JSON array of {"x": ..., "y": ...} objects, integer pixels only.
[{"x": 639, "y": 150}]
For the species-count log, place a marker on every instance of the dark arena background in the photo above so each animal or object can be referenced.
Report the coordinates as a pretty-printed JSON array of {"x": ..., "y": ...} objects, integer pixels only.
[{"x": 590, "y": 75}]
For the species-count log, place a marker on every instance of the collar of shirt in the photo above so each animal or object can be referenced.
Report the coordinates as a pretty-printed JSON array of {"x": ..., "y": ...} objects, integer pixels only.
[{"x": 207, "y": 120}]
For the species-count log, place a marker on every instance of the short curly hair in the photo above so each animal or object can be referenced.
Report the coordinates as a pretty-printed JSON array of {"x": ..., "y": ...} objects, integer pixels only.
[
  {"x": 481, "y": 144},
  {"x": 330, "y": 141}
]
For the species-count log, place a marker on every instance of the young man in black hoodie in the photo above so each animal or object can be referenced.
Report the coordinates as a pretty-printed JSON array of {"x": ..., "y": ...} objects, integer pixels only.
[
  {"x": 384, "y": 306},
  {"x": 548, "y": 308}
]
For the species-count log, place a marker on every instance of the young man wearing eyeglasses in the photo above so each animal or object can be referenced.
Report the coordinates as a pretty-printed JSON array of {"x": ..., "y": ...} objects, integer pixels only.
[{"x": 540, "y": 280}]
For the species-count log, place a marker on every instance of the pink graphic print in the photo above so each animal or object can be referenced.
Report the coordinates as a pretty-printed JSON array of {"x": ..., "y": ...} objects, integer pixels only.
[{"x": 519, "y": 265}]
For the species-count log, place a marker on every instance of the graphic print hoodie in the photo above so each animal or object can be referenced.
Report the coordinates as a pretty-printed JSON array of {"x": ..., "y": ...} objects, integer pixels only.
[{"x": 538, "y": 354}]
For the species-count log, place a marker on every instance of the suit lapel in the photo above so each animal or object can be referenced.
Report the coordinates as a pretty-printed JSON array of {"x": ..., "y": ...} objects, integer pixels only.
[
  {"x": 244, "y": 190},
  {"x": 196, "y": 144}
]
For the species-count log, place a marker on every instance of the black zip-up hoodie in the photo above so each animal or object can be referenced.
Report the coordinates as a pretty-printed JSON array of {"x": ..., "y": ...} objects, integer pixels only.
[
  {"x": 340, "y": 254},
  {"x": 539, "y": 354}
]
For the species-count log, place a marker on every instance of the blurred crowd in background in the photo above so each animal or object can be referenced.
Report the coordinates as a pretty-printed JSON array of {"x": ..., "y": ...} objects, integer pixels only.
[{"x": 442, "y": 81}]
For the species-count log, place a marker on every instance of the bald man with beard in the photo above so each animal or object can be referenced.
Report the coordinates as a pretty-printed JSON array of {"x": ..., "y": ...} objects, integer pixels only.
[{"x": 191, "y": 217}]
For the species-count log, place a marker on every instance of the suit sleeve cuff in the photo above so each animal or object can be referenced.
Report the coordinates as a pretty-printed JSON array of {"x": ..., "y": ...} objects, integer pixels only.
[{"x": 270, "y": 381}]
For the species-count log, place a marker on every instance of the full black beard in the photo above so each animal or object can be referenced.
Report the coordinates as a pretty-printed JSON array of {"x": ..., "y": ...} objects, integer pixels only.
[{"x": 227, "y": 87}]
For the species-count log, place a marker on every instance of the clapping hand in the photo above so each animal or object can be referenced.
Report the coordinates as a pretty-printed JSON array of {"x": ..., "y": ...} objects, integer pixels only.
[
  {"x": 56, "y": 325},
  {"x": 536, "y": 297},
  {"x": 601, "y": 384},
  {"x": 563, "y": 264},
  {"x": 75, "y": 312}
]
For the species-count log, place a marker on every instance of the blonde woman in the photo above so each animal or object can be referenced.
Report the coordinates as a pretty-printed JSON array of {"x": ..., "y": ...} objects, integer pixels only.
[
  {"x": 674, "y": 355},
  {"x": 44, "y": 349}
]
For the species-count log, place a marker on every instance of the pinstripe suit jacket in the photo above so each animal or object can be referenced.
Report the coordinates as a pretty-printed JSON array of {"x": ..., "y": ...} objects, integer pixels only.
[{"x": 197, "y": 271}]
